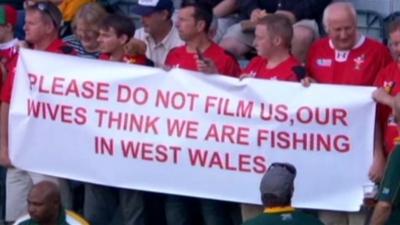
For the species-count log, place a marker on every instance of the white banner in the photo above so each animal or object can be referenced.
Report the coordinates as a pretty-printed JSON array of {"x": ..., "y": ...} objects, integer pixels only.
[{"x": 186, "y": 133}]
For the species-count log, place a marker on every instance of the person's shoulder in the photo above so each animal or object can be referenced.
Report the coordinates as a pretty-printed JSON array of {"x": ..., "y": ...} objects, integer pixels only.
[
  {"x": 73, "y": 218},
  {"x": 221, "y": 52},
  {"x": 320, "y": 46},
  {"x": 306, "y": 218},
  {"x": 293, "y": 61},
  {"x": 389, "y": 71},
  {"x": 24, "y": 220},
  {"x": 178, "y": 50},
  {"x": 59, "y": 46},
  {"x": 373, "y": 43},
  {"x": 140, "y": 34},
  {"x": 374, "y": 46},
  {"x": 258, "y": 220},
  {"x": 257, "y": 59},
  {"x": 322, "y": 42}
]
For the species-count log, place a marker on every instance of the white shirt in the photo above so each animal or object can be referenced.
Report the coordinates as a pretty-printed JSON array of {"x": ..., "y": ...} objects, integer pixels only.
[{"x": 158, "y": 52}]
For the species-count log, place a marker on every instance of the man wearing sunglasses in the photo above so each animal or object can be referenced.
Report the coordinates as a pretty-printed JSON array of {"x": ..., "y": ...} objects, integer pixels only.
[{"x": 42, "y": 23}]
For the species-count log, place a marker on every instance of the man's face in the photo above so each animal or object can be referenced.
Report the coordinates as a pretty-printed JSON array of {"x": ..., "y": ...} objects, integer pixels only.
[
  {"x": 109, "y": 42},
  {"x": 34, "y": 27},
  {"x": 151, "y": 23},
  {"x": 263, "y": 41},
  {"x": 342, "y": 30},
  {"x": 5, "y": 31},
  {"x": 395, "y": 44},
  {"x": 87, "y": 35},
  {"x": 41, "y": 209},
  {"x": 186, "y": 24}
]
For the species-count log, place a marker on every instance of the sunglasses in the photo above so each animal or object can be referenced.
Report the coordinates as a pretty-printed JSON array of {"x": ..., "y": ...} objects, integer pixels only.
[{"x": 46, "y": 8}]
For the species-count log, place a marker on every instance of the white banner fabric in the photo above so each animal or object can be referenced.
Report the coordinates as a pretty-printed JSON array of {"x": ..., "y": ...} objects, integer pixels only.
[{"x": 187, "y": 133}]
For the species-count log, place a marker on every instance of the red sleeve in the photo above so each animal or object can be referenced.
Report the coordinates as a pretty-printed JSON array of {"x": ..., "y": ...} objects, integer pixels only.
[
  {"x": 310, "y": 61},
  {"x": 6, "y": 90},
  {"x": 171, "y": 60},
  {"x": 252, "y": 64},
  {"x": 386, "y": 57},
  {"x": 382, "y": 111},
  {"x": 232, "y": 68}
]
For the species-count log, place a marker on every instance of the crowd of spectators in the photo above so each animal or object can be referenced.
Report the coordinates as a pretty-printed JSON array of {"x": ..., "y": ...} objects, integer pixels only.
[{"x": 303, "y": 41}]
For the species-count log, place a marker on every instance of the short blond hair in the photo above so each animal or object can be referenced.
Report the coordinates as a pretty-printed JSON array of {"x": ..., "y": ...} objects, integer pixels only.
[{"x": 92, "y": 14}]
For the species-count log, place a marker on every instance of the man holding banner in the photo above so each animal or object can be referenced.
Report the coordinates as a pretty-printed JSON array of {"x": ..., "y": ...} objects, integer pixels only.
[
  {"x": 42, "y": 23},
  {"x": 199, "y": 51},
  {"x": 198, "y": 54},
  {"x": 387, "y": 209},
  {"x": 347, "y": 57}
]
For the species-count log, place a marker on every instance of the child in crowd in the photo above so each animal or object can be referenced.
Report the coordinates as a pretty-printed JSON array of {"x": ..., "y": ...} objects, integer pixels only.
[{"x": 115, "y": 31}]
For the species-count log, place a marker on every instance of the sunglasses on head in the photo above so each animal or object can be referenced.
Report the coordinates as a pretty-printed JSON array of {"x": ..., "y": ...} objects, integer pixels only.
[{"x": 45, "y": 8}]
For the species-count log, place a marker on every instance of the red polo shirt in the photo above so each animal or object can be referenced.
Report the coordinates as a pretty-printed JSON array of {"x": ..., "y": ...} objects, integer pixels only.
[
  {"x": 181, "y": 58},
  {"x": 131, "y": 59},
  {"x": 358, "y": 66},
  {"x": 258, "y": 68},
  {"x": 389, "y": 78},
  {"x": 57, "y": 46}
]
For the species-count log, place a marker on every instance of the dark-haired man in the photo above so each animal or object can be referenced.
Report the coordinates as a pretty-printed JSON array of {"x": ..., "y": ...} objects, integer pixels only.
[
  {"x": 158, "y": 31},
  {"x": 101, "y": 202},
  {"x": 199, "y": 51},
  {"x": 198, "y": 54},
  {"x": 115, "y": 32}
]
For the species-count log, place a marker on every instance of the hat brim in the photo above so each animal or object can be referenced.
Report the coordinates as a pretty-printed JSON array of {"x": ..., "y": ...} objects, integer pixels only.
[{"x": 143, "y": 10}]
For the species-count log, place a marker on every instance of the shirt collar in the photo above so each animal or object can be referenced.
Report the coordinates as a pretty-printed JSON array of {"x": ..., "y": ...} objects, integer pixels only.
[
  {"x": 166, "y": 39},
  {"x": 285, "y": 209},
  {"x": 360, "y": 41},
  {"x": 9, "y": 44}
]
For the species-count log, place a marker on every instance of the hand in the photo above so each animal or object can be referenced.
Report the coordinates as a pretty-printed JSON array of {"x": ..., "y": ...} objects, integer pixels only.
[
  {"x": 206, "y": 65},
  {"x": 306, "y": 82},
  {"x": 377, "y": 169},
  {"x": 257, "y": 14},
  {"x": 245, "y": 75},
  {"x": 166, "y": 67},
  {"x": 380, "y": 95},
  {"x": 5, "y": 159},
  {"x": 135, "y": 47}
]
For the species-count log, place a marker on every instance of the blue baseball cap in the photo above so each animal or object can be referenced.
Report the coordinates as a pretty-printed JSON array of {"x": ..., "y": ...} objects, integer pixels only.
[{"x": 147, "y": 7}]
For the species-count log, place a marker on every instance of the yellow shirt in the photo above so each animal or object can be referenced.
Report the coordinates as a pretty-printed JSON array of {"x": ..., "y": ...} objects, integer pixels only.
[{"x": 70, "y": 7}]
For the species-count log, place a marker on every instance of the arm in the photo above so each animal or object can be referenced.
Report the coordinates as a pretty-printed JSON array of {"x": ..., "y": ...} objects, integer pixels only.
[
  {"x": 4, "y": 156},
  {"x": 225, "y": 8},
  {"x": 135, "y": 47},
  {"x": 378, "y": 164},
  {"x": 308, "y": 9},
  {"x": 381, "y": 213},
  {"x": 247, "y": 7}
]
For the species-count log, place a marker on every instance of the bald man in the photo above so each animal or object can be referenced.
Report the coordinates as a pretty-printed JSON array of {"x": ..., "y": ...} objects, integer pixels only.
[
  {"x": 45, "y": 208},
  {"x": 346, "y": 57}
]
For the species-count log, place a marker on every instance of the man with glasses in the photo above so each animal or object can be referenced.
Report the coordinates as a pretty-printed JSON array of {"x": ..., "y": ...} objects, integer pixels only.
[{"x": 42, "y": 23}]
